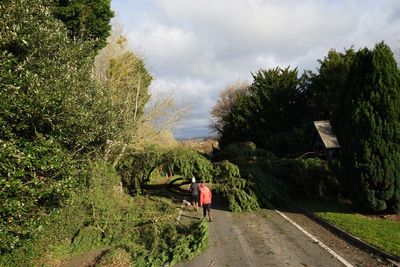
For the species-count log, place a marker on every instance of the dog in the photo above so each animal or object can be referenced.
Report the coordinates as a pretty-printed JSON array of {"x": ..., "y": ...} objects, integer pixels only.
[{"x": 187, "y": 203}]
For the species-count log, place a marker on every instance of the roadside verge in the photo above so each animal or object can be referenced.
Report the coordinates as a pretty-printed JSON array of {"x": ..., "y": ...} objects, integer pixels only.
[{"x": 351, "y": 238}]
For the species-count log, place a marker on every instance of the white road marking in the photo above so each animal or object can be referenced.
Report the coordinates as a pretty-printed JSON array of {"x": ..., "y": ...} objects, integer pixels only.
[{"x": 333, "y": 253}]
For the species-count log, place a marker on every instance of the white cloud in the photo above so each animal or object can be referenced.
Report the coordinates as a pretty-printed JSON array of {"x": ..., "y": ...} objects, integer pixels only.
[{"x": 196, "y": 48}]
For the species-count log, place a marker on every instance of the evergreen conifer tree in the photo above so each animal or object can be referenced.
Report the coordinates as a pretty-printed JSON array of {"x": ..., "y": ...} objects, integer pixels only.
[{"x": 369, "y": 131}]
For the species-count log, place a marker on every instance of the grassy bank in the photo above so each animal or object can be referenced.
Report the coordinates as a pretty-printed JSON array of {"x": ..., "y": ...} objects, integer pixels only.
[{"x": 380, "y": 232}]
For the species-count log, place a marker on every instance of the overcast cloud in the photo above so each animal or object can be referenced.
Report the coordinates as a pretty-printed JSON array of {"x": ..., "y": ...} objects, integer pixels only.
[{"x": 195, "y": 48}]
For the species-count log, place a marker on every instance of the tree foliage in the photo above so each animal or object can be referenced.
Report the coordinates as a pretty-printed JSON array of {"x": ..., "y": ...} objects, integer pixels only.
[
  {"x": 311, "y": 178},
  {"x": 225, "y": 104},
  {"x": 138, "y": 119},
  {"x": 52, "y": 114},
  {"x": 236, "y": 189},
  {"x": 326, "y": 86},
  {"x": 127, "y": 80},
  {"x": 369, "y": 130},
  {"x": 100, "y": 216},
  {"x": 35, "y": 177},
  {"x": 255, "y": 176},
  {"x": 56, "y": 116},
  {"x": 137, "y": 166},
  {"x": 273, "y": 111},
  {"x": 46, "y": 81},
  {"x": 86, "y": 20}
]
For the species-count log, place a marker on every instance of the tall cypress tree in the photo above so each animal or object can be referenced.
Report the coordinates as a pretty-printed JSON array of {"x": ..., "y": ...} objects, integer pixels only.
[{"x": 370, "y": 130}]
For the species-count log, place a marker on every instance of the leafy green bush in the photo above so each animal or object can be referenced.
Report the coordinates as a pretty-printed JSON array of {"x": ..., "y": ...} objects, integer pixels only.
[
  {"x": 269, "y": 189},
  {"x": 190, "y": 242},
  {"x": 46, "y": 80},
  {"x": 188, "y": 163},
  {"x": 242, "y": 150},
  {"x": 289, "y": 143},
  {"x": 136, "y": 167},
  {"x": 38, "y": 176}
]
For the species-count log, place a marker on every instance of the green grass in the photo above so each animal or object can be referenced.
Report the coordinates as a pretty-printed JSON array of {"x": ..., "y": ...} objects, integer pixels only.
[{"x": 379, "y": 232}]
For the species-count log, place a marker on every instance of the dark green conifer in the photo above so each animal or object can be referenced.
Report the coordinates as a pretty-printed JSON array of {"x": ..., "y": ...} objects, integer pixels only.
[{"x": 370, "y": 131}]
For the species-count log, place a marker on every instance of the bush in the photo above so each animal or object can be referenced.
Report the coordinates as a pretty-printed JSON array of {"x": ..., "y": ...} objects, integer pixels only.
[
  {"x": 47, "y": 86},
  {"x": 307, "y": 178},
  {"x": 254, "y": 167},
  {"x": 39, "y": 176},
  {"x": 270, "y": 191},
  {"x": 242, "y": 150},
  {"x": 188, "y": 163}
]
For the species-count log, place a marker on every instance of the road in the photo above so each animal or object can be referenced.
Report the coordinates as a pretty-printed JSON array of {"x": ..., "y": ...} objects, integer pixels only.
[{"x": 265, "y": 238}]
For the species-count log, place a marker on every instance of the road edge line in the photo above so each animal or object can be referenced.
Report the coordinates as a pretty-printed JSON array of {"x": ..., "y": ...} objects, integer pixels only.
[
  {"x": 333, "y": 253},
  {"x": 355, "y": 241}
]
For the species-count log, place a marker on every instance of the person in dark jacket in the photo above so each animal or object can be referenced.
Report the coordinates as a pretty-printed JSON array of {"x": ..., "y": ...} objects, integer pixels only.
[{"x": 194, "y": 189}]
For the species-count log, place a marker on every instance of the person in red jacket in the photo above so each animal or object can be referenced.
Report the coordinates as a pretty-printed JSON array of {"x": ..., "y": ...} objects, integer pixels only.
[{"x": 205, "y": 200}]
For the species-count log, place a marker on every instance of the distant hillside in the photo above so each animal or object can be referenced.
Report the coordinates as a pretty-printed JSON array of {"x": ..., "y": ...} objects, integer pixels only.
[{"x": 202, "y": 145}]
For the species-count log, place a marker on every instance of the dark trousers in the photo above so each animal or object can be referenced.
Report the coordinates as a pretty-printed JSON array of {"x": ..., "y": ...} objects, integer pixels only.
[{"x": 206, "y": 207}]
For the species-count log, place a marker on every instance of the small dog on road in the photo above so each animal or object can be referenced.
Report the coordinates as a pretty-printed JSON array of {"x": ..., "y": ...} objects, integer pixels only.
[{"x": 187, "y": 203}]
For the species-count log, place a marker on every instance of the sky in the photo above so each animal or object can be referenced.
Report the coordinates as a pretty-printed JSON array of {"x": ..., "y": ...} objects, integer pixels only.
[{"x": 196, "y": 48}]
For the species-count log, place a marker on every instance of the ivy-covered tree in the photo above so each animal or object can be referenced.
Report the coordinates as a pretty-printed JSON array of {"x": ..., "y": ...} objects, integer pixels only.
[
  {"x": 127, "y": 79},
  {"x": 369, "y": 129},
  {"x": 51, "y": 113},
  {"x": 87, "y": 20},
  {"x": 46, "y": 80}
]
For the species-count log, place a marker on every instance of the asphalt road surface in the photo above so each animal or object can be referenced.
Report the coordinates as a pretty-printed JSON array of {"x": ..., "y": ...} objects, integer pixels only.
[{"x": 265, "y": 238}]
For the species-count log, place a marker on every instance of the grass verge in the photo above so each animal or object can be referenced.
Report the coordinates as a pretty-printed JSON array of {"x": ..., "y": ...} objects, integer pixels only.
[{"x": 379, "y": 232}]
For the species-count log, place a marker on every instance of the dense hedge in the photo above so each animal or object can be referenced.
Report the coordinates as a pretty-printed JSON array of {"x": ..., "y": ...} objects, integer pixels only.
[
  {"x": 277, "y": 181},
  {"x": 308, "y": 178},
  {"x": 253, "y": 165},
  {"x": 39, "y": 176},
  {"x": 52, "y": 115}
]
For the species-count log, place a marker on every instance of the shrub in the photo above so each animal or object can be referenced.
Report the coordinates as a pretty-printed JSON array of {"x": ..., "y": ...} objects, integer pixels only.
[
  {"x": 307, "y": 178},
  {"x": 254, "y": 167},
  {"x": 236, "y": 152},
  {"x": 270, "y": 191},
  {"x": 47, "y": 86},
  {"x": 39, "y": 176}
]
